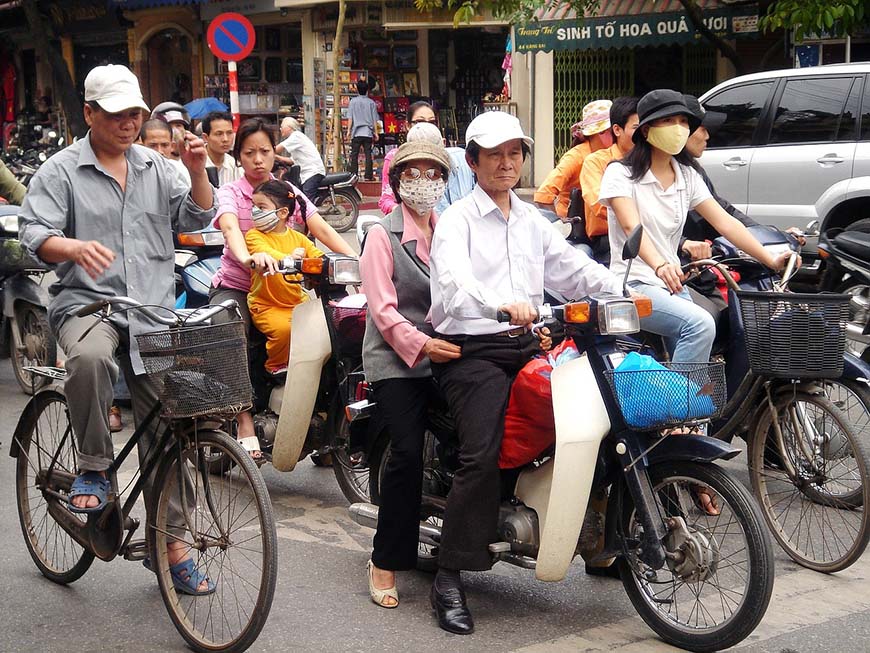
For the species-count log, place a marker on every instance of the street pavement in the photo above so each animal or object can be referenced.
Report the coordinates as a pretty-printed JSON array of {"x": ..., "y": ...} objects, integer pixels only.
[{"x": 322, "y": 604}]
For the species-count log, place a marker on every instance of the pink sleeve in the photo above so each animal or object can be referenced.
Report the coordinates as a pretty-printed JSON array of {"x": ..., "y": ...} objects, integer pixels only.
[
  {"x": 226, "y": 203},
  {"x": 387, "y": 201},
  {"x": 376, "y": 269}
]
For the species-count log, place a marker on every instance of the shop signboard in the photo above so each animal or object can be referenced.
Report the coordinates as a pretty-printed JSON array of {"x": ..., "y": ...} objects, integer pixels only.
[
  {"x": 231, "y": 38},
  {"x": 214, "y": 8},
  {"x": 670, "y": 28}
]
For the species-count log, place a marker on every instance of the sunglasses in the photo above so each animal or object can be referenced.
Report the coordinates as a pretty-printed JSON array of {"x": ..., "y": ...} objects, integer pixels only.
[{"x": 415, "y": 173}]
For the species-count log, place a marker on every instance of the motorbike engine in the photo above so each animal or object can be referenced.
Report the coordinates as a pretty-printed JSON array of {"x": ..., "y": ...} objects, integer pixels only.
[
  {"x": 518, "y": 525},
  {"x": 265, "y": 426}
]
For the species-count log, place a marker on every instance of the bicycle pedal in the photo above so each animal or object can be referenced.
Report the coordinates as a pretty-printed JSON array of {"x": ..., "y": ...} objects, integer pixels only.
[
  {"x": 499, "y": 547},
  {"x": 137, "y": 550}
]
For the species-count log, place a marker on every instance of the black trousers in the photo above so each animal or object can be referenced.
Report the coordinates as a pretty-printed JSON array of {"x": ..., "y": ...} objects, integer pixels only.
[
  {"x": 477, "y": 388},
  {"x": 309, "y": 188},
  {"x": 403, "y": 404},
  {"x": 366, "y": 143}
]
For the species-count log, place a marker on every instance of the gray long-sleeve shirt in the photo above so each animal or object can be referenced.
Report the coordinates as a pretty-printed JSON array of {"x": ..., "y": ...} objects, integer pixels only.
[{"x": 72, "y": 196}]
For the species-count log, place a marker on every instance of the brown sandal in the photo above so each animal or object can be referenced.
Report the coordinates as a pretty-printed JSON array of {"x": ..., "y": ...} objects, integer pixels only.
[{"x": 710, "y": 507}]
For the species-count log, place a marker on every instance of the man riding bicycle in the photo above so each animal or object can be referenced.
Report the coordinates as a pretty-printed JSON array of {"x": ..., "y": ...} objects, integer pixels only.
[{"x": 102, "y": 212}]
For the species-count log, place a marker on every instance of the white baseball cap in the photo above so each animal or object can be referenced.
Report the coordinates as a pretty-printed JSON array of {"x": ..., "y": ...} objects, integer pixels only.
[
  {"x": 492, "y": 128},
  {"x": 115, "y": 88}
]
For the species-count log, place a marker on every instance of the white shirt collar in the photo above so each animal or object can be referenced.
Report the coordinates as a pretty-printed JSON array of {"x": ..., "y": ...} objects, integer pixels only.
[
  {"x": 486, "y": 205},
  {"x": 679, "y": 178}
]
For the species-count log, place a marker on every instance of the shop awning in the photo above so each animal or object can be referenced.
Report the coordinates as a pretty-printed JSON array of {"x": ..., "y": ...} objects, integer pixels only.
[{"x": 634, "y": 30}]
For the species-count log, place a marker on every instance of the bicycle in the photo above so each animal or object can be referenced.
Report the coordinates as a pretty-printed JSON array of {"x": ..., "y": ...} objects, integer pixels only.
[{"x": 200, "y": 371}]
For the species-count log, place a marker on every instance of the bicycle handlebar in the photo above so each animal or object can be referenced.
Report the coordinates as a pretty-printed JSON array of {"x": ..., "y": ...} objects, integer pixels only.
[{"x": 196, "y": 316}]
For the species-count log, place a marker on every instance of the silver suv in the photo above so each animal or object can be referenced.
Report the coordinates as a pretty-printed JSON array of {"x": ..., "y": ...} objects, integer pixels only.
[{"x": 795, "y": 145}]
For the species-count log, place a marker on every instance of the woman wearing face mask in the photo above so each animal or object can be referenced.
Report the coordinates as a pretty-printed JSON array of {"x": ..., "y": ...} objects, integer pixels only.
[
  {"x": 419, "y": 113},
  {"x": 255, "y": 149},
  {"x": 656, "y": 186},
  {"x": 397, "y": 350}
]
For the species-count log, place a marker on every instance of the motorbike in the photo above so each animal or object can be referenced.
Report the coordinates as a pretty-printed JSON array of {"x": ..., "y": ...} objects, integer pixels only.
[
  {"x": 696, "y": 585},
  {"x": 337, "y": 198},
  {"x": 800, "y": 400},
  {"x": 305, "y": 413},
  {"x": 847, "y": 270},
  {"x": 25, "y": 335},
  {"x": 197, "y": 259}
]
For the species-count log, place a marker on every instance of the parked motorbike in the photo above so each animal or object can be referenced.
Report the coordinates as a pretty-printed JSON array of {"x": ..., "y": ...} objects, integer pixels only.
[
  {"x": 24, "y": 332},
  {"x": 847, "y": 270},
  {"x": 800, "y": 402},
  {"x": 700, "y": 585},
  {"x": 337, "y": 199},
  {"x": 197, "y": 259},
  {"x": 305, "y": 412}
]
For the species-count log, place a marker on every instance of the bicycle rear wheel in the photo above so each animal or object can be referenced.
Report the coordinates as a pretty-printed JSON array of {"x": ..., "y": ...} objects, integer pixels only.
[
  {"x": 813, "y": 484},
  {"x": 44, "y": 432},
  {"x": 230, "y": 528}
]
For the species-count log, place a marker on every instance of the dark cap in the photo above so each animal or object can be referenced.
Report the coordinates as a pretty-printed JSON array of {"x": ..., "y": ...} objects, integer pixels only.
[
  {"x": 663, "y": 103},
  {"x": 710, "y": 120}
]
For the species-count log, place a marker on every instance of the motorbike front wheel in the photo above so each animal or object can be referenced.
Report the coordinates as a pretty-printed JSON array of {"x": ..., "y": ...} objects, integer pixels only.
[
  {"x": 342, "y": 213},
  {"x": 33, "y": 345},
  {"x": 715, "y": 587}
]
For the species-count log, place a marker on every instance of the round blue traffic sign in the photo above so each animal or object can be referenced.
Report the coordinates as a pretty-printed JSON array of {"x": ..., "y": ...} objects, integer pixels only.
[{"x": 230, "y": 37}]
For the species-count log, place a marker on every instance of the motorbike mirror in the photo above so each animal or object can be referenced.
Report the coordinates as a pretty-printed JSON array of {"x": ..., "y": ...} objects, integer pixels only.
[
  {"x": 632, "y": 245},
  {"x": 629, "y": 252}
]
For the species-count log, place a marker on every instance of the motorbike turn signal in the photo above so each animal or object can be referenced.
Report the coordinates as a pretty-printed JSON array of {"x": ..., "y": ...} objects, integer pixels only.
[
  {"x": 577, "y": 312},
  {"x": 643, "y": 306},
  {"x": 312, "y": 265}
]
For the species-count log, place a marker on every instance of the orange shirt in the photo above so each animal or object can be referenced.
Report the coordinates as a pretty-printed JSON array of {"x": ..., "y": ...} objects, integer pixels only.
[
  {"x": 274, "y": 290},
  {"x": 590, "y": 183},
  {"x": 563, "y": 179}
]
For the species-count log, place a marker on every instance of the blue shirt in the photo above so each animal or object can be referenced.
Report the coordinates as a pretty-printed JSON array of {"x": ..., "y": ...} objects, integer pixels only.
[
  {"x": 460, "y": 182},
  {"x": 363, "y": 114}
]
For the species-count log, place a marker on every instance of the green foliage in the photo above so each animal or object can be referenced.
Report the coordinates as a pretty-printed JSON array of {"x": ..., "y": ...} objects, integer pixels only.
[
  {"x": 834, "y": 17},
  {"x": 518, "y": 12}
]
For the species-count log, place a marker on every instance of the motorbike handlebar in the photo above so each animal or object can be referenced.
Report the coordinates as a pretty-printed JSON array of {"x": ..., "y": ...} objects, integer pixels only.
[
  {"x": 189, "y": 318},
  {"x": 91, "y": 308}
]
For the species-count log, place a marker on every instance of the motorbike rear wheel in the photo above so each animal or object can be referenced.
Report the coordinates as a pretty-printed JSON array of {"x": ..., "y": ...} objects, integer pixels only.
[
  {"x": 717, "y": 595},
  {"x": 813, "y": 486},
  {"x": 33, "y": 345},
  {"x": 343, "y": 212}
]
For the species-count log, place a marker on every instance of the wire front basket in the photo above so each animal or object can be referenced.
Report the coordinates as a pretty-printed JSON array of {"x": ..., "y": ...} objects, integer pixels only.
[
  {"x": 795, "y": 335},
  {"x": 681, "y": 393},
  {"x": 201, "y": 370}
]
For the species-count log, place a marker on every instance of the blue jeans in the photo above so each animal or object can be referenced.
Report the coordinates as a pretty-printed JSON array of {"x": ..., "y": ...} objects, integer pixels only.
[{"x": 687, "y": 328}]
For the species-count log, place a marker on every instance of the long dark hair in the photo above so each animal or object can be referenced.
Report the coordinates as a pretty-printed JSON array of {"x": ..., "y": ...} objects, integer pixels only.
[
  {"x": 249, "y": 128},
  {"x": 639, "y": 160},
  {"x": 283, "y": 195}
]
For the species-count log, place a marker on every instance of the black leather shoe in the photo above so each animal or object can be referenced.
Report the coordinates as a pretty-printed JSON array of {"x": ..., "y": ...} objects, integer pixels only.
[
  {"x": 611, "y": 571},
  {"x": 452, "y": 611}
]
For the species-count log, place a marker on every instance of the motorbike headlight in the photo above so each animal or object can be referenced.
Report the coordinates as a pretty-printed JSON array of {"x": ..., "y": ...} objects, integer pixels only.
[
  {"x": 618, "y": 317},
  {"x": 344, "y": 271},
  {"x": 9, "y": 223}
]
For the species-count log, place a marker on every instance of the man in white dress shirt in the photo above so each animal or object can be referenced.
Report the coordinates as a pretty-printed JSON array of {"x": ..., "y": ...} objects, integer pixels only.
[
  {"x": 304, "y": 153},
  {"x": 491, "y": 252},
  {"x": 217, "y": 132}
]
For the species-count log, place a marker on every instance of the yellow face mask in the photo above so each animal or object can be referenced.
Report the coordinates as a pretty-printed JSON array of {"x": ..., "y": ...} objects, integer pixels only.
[{"x": 668, "y": 138}]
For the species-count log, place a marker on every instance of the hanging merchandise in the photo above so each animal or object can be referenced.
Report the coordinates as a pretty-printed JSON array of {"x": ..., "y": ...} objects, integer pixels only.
[
  {"x": 507, "y": 65},
  {"x": 7, "y": 88}
]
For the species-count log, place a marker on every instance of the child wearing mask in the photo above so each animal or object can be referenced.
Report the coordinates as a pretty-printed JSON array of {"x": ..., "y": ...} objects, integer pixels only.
[{"x": 272, "y": 299}]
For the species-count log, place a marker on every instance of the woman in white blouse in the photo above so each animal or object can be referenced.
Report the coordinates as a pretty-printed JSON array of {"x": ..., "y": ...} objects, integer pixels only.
[{"x": 655, "y": 185}]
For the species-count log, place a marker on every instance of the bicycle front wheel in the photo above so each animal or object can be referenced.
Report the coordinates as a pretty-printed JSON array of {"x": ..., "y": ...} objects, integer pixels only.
[
  {"x": 228, "y": 525},
  {"x": 812, "y": 480},
  {"x": 45, "y": 434}
]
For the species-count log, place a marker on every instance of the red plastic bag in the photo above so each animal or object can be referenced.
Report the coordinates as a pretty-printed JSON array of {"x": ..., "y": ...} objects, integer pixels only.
[{"x": 529, "y": 425}]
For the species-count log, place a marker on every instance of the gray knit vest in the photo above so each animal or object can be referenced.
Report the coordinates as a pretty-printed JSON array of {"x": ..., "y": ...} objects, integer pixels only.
[{"x": 411, "y": 279}]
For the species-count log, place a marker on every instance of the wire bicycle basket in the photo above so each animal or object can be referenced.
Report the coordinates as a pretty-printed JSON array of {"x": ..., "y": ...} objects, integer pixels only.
[
  {"x": 674, "y": 395},
  {"x": 794, "y": 335},
  {"x": 200, "y": 370}
]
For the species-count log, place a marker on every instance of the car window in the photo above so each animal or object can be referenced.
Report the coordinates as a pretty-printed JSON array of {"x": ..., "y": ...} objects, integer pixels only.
[
  {"x": 865, "y": 116},
  {"x": 809, "y": 110},
  {"x": 848, "y": 130},
  {"x": 743, "y": 106}
]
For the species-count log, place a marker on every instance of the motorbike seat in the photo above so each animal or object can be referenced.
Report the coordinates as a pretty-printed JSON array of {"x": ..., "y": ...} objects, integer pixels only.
[
  {"x": 855, "y": 243},
  {"x": 335, "y": 178}
]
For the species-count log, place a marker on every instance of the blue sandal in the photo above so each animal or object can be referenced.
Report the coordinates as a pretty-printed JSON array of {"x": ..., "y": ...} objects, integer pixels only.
[
  {"x": 89, "y": 484},
  {"x": 186, "y": 577}
]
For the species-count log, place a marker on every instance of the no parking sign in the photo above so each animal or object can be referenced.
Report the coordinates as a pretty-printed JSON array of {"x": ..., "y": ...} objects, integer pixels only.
[{"x": 231, "y": 38}]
